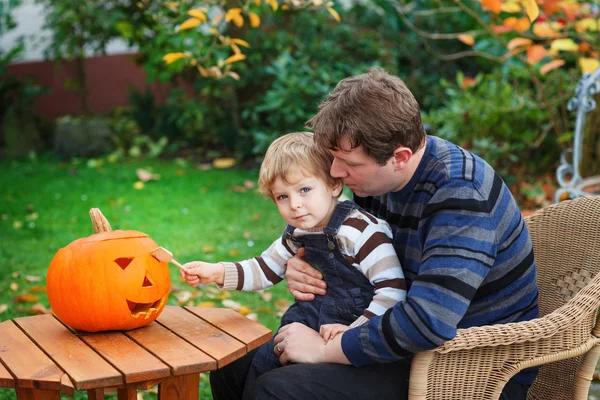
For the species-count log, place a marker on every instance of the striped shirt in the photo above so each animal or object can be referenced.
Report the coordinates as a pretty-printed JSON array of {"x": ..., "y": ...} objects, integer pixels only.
[
  {"x": 366, "y": 244},
  {"x": 466, "y": 254}
]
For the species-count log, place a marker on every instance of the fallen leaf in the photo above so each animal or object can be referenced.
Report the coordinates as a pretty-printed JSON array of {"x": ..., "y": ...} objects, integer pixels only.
[
  {"x": 252, "y": 317},
  {"x": 248, "y": 184},
  {"x": 255, "y": 217},
  {"x": 234, "y": 252},
  {"x": 266, "y": 296},
  {"x": 207, "y": 304},
  {"x": 223, "y": 162},
  {"x": 37, "y": 289},
  {"x": 234, "y": 305},
  {"x": 183, "y": 297},
  {"x": 265, "y": 310},
  {"x": 3, "y": 308},
  {"x": 223, "y": 294},
  {"x": 139, "y": 185},
  {"x": 14, "y": 286},
  {"x": 15, "y": 274},
  {"x": 32, "y": 278},
  {"x": 145, "y": 175},
  {"x": 244, "y": 310},
  {"x": 25, "y": 298},
  {"x": 38, "y": 309},
  {"x": 204, "y": 167},
  {"x": 238, "y": 189},
  {"x": 247, "y": 235},
  {"x": 208, "y": 249}
]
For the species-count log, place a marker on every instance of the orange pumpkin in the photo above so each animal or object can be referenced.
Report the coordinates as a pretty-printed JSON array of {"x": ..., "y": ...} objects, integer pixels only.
[{"x": 107, "y": 281}]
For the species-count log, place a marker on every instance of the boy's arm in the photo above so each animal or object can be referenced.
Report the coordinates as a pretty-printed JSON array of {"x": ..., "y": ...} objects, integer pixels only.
[
  {"x": 376, "y": 256},
  {"x": 259, "y": 272}
]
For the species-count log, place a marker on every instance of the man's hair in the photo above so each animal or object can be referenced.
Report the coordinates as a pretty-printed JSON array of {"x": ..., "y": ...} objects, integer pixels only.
[
  {"x": 375, "y": 110},
  {"x": 291, "y": 153}
]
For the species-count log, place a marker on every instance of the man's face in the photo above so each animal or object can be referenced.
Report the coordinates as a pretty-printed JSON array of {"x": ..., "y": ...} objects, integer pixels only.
[{"x": 361, "y": 173}]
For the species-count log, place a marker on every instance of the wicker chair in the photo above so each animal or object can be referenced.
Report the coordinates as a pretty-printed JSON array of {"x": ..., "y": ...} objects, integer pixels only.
[{"x": 564, "y": 340}]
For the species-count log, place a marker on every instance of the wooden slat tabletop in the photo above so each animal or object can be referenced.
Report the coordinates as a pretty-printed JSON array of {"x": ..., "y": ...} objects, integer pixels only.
[
  {"x": 251, "y": 333},
  {"x": 39, "y": 352},
  {"x": 30, "y": 366}
]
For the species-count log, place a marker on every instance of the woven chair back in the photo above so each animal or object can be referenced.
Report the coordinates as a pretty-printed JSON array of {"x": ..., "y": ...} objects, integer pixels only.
[{"x": 566, "y": 242}]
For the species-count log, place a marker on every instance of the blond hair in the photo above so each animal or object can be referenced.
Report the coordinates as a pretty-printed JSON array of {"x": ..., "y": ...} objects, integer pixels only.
[
  {"x": 374, "y": 110},
  {"x": 294, "y": 152}
]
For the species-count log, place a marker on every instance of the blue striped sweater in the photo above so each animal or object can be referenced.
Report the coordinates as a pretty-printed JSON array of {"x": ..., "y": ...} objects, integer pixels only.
[{"x": 466, "y": 253}]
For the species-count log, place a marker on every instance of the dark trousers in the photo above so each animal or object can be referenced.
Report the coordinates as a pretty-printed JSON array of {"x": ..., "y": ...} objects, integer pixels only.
[{"x": 325, "y": 381}]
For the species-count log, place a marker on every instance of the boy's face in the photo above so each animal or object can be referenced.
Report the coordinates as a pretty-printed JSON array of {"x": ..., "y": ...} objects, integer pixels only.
[
  {"x": 305, "y": 202},
  {"x": 362, "y": 174}
]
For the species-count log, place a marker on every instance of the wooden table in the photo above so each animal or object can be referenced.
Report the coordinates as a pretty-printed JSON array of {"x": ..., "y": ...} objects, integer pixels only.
[{"x": 40, "y": 357}]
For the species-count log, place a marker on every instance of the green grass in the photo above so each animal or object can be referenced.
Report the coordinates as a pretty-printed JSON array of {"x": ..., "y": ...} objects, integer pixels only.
[{"x": 44, "y": 206}]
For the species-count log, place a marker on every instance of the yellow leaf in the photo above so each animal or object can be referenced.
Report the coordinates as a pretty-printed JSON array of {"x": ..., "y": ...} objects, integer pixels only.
[
  {"x": 208, "y": 249},
  {"x": 551, "y": 65},
  {"x": 207, "y": 304},
  {"x": 256, "y": 217},
  {"x": 139, "y": 185},
  {"x": 494, "y": 6},
  {"x": 172, "y": 57},
  {"x": 215, "y": 71},
  {"x": 238, "y": 20},
  {"x": 234, "y": 58},
  {"x": 285, "y": 7},
  {"x": 232, "y": 13},
  {"x": 532, "y": 10},
  {"x": 564, "y": 45},
  {"x": 244, "y": 310},
  {"x": 544, "y": 29},
  {"x": 334, "y": 13},
  {"x": 14, "y": 286},
  {"x": 223, "y": 162},
  {"x": 234, "y": 252},
  {"x": 254, "y": 19},
  {"x": 522, "y": 25},
  {"x": 235, "y": 48},
  {"x": 518, "y": 42},
  {"x": 257, "y": 2},
  {"x": 216, "y": 19},
  {"x": 240, "y": 42},
  {"x": 466, "y": 39},
  {"x": 588, "y": 65},
  {"x": 510, "y": 7},
  {"x": 274, "y": 4},
  {"x": 202, "y": 71},
  {"x": 189, "y": 24},
  {"x": 3, "y": 308},
  {"x": 587, "y": 25},
  {"x": 198, "y": 14}
]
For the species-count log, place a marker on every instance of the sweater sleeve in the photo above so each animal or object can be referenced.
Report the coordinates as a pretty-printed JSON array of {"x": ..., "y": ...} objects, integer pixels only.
[
  {"x": 259, "y": 272},
  {"x": 457, "y": 232},
  {"x": 366, "y": 242}
]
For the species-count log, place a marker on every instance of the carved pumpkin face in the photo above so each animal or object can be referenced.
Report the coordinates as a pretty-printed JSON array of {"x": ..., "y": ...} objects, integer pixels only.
[{"x": 108, "y": 281}]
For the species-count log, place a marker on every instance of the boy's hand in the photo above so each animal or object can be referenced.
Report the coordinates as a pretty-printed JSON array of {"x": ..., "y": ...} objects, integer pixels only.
[
  {"x": 329, "y": 331},
  {"x": 197, "y": 272}
]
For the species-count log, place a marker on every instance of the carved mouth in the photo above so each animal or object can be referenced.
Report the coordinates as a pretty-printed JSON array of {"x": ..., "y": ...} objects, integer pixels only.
[{"x": 145, "y": 310}]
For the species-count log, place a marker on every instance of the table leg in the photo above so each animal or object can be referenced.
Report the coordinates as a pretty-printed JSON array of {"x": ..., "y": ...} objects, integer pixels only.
[
  {"x": 95, "y": 394},
  {"x": 37, "y": 394},
  {"x": 184, "y": 387},
  {"x": 127, "y": 394}
]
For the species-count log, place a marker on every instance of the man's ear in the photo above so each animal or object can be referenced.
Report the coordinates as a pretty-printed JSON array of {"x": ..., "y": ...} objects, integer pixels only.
[{"x": 401, "y": 157}]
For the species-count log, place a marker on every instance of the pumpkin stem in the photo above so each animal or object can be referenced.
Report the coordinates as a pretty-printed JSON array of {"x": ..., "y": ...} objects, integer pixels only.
[{"x": 99, "y": 221}]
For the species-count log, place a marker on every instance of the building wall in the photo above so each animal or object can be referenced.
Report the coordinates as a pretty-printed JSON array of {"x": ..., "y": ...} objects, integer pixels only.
[{"x": 109, "y": 77}]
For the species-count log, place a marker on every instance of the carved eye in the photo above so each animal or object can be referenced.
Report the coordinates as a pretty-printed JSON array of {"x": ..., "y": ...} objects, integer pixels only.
[{"x": 123, "y": 262}]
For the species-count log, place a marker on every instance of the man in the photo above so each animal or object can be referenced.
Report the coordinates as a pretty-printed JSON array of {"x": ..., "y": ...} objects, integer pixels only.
[{"x": 458, "y": 233}]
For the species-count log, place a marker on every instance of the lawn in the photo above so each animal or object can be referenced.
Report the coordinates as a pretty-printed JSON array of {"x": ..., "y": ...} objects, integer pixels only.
[{"x": 195, "y": 212}]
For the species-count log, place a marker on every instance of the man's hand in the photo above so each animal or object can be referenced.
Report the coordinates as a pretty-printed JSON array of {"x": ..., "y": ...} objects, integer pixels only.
[
  {"x": 329, "y": 331},
  {"x": 303, "y": 280},
  {"x": 298, "y": 343},
  {"x": 197, "y": 272}
]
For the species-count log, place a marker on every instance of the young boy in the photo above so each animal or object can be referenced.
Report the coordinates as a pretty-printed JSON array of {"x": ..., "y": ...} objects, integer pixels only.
[{"x": 352, "y": 248}]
